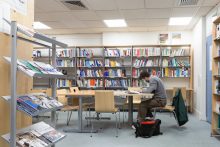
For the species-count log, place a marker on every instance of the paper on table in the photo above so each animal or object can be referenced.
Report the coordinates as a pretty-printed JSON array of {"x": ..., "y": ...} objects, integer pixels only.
[{"x": 4, "y": 13}]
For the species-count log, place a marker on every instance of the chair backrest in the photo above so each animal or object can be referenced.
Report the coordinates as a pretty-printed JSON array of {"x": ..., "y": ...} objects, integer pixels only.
[
  {"x": 36, "y": 91},
  {"x": 49, "y": 92},
  {"x": 104, "y": 101},
  {"x": 183, "y": 91},
  {"x": 136, "y": 99},
  {"x": 61, "y": 98},
  {"x": 75, "y": 101}
]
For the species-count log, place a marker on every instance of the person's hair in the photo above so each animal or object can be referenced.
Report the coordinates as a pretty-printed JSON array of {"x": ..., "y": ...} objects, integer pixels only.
[{"x": 144, "y": 74}]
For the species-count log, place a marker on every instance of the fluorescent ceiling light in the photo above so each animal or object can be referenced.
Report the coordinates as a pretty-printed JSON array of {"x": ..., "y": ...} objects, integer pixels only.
[
  {"x": 176, "y": 21},
  {"x": 39, "y": 25},
  {"x": 115, "y": 23}
]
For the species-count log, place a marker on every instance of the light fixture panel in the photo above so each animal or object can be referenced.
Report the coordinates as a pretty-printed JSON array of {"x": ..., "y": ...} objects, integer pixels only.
[
  {"x": 115, "y": 23},
  {"x": 179, "y": 21}
]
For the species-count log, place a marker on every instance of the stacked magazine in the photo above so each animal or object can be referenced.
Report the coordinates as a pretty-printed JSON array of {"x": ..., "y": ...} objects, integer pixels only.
[
  {"x": 40, "y": 137},
  {"x": 35, "y": 103},
  {"x": 32, "y": 67}
]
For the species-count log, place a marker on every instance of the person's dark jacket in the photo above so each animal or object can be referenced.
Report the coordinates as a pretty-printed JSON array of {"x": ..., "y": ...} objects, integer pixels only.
[{"x": 180, "y": 108}]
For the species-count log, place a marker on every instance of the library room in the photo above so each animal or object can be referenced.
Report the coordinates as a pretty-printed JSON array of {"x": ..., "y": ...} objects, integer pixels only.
[{"x": 103, "y": 73}]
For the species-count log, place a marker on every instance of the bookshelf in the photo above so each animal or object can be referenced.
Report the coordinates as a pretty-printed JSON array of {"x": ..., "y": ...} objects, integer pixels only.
[
  {"x": 127, "y": 64},
  {"x": 34, "y": 69},
  {"x": 215, "y": 76}
]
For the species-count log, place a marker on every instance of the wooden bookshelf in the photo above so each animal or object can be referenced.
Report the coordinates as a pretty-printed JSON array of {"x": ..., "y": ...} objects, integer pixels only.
[
  {"x": 188, "y": 56},
  {"x": 215, "y": 76}
]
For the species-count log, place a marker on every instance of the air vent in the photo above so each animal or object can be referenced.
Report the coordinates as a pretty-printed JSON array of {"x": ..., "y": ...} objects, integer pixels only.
[
  {"x": 188, "y": 2},
  {"x": 74, "y": 5}
]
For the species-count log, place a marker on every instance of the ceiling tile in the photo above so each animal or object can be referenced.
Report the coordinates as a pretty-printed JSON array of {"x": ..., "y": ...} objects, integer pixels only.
[
  {"x": 136, "y": 22},
  {"x": 66, "y": 31},
  {"x": 120, "y": 29},
  {"x": 36, "y": 9},
  {"x": 177, "y": 28},
  {"x": 86, "y": 15},
  {"x": 203, "y": 11},
  {"x": 138, "y": 29},
  {"x": 43, "y": 17},
  {"x": 160, "y": 28},
  {"x": 159, "y": 3},
  {"x": 184, "y": 12},
  {"x": 102, "y": 4},
  {"x": 50, "y": 6},
  {"x": 210, "y": 2},
  {"x": 158, "y": 13},
  {"x": 48, "y": 31},
  {"x": 55, "y": 25},
  {"x": 95, "y": 24},
  {"x": 157, "y": 22},
  {"x": 74, "y": 24},
  {"x": 130, "y": 4},
  {"x": 177, "y": 2},
  {"x": 109, "y": 14},
  {"x": 193, "y": 22},
  {"x": 62, "y": 16},
  {"x": 100, "y": 30},
  {"x": 134, "y": 14},
  {"x": 84, "y": 30}
]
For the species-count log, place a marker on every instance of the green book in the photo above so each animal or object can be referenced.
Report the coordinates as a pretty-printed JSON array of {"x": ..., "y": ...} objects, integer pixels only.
[{"x": 30, "y": 66}]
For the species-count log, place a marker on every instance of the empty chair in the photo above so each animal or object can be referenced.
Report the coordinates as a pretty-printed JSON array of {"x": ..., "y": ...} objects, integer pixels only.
[
  {"x": 49, "y": 92},
  {"x": 105, "y": 103},
  {"x": 36, "y": 91},
  {"x": 75, "y": 101},
  {"x": 64, "y": 100}
]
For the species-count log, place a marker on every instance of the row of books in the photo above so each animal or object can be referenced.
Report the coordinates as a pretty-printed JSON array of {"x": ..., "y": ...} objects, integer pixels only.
[
  {"x": 89, "y": 63},
  {"x": 146, "y": 62},
  {"x": 66, "y": 53},
  {"x": 113, "y": 63},
  {"x": 65, "y": 83},
  {"x": 136, "y": 72},
  {"x": 218, "y": 51},
  {"x": 117, "y": 52},
  {"x": 42, "y": 136},
  {"x": 139, "y": 83},
  {"x": 147, "y": 52},
  {"x": 65, "y": 63},
  {"x": 35, "y": 103},
  {"x": 173, "y": 52},
  {"x": 179, "y": 72},
  {"x": 174, "y": 62},
  {"x": 218, "y": 68},
  {"x": 32, "y": 67},
  {"x": 217, "y": 31},
  {"x": 84, "y": 53},
  {"x": 115, "y": 73},
  {"x": 117, "y": 83},
  {"x": 89, "y": 73},
  {"x": 90, "y": 83}
]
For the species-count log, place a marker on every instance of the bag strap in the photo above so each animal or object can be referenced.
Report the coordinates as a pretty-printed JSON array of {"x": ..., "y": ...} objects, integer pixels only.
[{"x": 154, "y": 128}]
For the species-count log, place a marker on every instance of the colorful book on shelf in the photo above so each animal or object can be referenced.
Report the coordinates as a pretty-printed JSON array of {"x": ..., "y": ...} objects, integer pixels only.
[
  {"x": 65, "y": 63},
  {"x": 117, "y": 83},
  {"x": 217, "y": 106},
  {"x": 178, "y": 72},
  {"x": 145, "y": 63},
  {"x": 90, "y": 83},
  {"x": 112, "y": 52},
  {"x": 153, "y": 51},
  {"x": 89, "y": 63},
  {"x": 84, "y": 53},
  {"x": 66, "y": 53},
  {"x": 115, "y": 73},
  {"x": 173, "y": 52},
  {"x": 217, "y": 86},
  {"x": 89, "y": 73}
]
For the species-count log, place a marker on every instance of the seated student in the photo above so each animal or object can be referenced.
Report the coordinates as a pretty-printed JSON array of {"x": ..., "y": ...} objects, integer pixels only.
[{"x": 159, "y": 99}]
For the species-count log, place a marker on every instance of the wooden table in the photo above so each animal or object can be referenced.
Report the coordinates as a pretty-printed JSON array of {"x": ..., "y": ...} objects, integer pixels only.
[{"x": 91, "y": 93}]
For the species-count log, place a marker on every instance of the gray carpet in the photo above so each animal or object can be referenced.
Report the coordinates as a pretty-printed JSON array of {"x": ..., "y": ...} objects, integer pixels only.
[{"x": 194, "y": 134}]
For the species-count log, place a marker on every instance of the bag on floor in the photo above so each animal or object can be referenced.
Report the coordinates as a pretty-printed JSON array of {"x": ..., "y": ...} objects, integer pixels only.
[{"x": 148, "y": 128}]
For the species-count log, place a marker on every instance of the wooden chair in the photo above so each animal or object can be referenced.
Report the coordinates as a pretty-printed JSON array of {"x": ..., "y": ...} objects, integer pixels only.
[
  {"x": 136, "y": 100},
  {"x": 62, "y": 99},
  {"x": 36, "y": 90},
  {"x": 172, "y": 108},
  {"x": 105, "y": 103},
  {"x": 75, "y": 102},
  {"x": 49, "y": 92}
]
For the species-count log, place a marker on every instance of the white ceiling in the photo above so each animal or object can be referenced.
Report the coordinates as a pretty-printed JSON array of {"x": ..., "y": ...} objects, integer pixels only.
[{"x": 140, "y": 15}]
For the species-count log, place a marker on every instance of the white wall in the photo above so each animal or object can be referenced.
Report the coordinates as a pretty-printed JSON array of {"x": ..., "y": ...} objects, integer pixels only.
[
  {"x": 199, "y": 47},
  {"x": 138, "y": 38}
]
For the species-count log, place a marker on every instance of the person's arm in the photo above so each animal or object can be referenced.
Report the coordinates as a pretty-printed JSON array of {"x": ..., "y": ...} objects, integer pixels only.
[{"x": 153, "y": 86}]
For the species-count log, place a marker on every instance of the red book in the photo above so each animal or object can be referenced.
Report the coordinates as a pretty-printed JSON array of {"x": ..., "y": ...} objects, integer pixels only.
[{"x": 138, "y": 52}]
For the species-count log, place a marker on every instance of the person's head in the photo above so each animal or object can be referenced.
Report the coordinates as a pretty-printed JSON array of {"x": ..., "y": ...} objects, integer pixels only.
[{"x": 145, "y": 76}]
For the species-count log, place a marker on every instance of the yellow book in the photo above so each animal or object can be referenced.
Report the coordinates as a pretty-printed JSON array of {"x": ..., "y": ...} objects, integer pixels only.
[{"x": 166, "y": 72}]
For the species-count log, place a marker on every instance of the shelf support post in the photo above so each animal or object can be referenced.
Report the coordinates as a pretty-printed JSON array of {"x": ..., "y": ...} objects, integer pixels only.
[
  {"x": 53, "y": 113},
  {"x": 13, "y": 112}
]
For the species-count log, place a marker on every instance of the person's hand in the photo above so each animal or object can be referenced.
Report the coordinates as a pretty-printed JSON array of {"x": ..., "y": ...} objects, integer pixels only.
[{"x": 139, "y": 90}]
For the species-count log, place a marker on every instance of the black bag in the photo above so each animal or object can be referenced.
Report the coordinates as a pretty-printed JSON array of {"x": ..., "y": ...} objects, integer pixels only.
[{"x": 148, "y": 128}]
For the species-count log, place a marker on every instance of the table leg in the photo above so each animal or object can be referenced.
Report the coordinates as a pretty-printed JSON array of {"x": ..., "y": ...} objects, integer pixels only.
[
  {"x": 130, "y": 111},
  {"x": 80, "y": 130}
]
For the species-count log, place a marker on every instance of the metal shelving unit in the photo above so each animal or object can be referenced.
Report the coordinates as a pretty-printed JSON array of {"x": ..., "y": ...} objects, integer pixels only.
[{"x": 13, "y": 62}]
